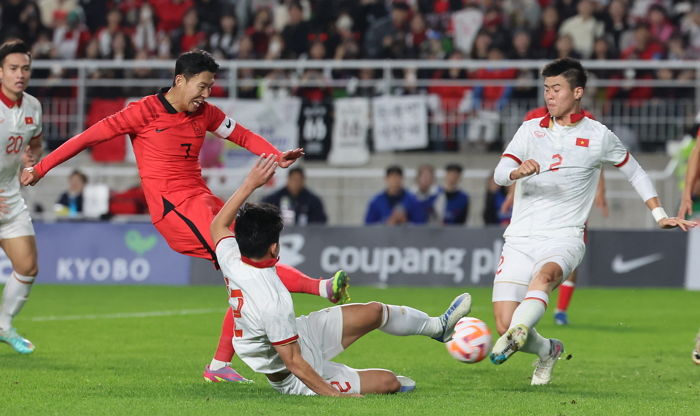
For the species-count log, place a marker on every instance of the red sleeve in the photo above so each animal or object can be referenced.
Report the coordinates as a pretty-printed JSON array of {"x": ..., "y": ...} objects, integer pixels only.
[
  {"x": 214, "y": 117},
  {"x": 253, "y": 142},
  {"x": 124, "y": 122}
]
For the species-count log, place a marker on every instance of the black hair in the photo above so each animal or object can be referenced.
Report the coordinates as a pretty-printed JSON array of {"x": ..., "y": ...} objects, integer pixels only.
[
  {"x": 394, "y": 169},
  {"x": 194, "y": 62},
  {"x": 453, "y": 167},
  {"x": 80, "y": 174},
  {"x": 13, "y": 46},
  {"x": 298, "y": 170},
  {"x": 257, "y": 227},
  {"x": 569, "y": 68}
]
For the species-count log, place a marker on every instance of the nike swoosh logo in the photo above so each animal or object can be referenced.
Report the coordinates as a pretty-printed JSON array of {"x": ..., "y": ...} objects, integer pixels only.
[
  {"x": 621, "y": 266},
  {"x": 228, "y": 122},
  {"x": 160, "y": 130}
]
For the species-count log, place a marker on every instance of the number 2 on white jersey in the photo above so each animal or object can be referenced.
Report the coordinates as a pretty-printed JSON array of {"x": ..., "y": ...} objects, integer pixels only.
[{"x": 555, "y": 166}]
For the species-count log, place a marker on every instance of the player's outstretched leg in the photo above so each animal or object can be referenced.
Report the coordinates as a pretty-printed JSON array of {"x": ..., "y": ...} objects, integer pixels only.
[
  {"x": 334, "y": 289},
  {"x": 544, "y": 366},
  {"x": 509, "y": 343},
  {"x": 14, "y": 296},
  {"x": 459, "y": 308},
  {"x": 220, "y": 370},
  {"x": 696, "y": 352}
]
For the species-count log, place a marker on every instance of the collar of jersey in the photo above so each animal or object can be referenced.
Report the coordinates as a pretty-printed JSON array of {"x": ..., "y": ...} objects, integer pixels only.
[
  {"x": 8, "y": 102},
  {"x": 168, "y": 107},
  {"x": 259, "y": 264},
  {"x": 547, "y": 121}
]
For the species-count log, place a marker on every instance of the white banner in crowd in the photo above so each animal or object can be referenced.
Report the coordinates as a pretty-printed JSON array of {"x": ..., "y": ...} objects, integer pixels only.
[
  {"x": 349, "y": 138},
  {"x": 400, "y": 123},
  {"x": 275, "y": 120},
  {"x": 466, "y": 25}
]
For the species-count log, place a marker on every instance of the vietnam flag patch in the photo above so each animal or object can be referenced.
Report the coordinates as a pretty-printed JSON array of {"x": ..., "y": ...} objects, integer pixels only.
[
  {"x": 582, "y": 142},
  {"x": 28, "y": 120}
]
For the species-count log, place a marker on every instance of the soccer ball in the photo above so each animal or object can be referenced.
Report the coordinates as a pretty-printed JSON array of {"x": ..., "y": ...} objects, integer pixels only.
[{"x": 471, "y": 341}]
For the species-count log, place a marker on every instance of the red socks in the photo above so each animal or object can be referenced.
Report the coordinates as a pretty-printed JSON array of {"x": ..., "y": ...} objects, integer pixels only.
[{"x": 566, "y": 291}]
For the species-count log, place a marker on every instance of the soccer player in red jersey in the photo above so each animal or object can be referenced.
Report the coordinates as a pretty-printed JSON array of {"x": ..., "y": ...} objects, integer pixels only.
[
  {"x": 167, "y": 131},
  {"x": 566, "y": 289}
]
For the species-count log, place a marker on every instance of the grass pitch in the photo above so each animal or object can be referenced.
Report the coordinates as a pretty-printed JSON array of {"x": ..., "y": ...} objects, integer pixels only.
[{"x": 141, "y": 351}]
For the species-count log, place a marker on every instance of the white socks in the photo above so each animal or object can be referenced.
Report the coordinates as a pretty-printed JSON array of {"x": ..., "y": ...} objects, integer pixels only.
[
  {"x": 531, "y": 309},
  {"x": 536, "y": 344},
  {"x": 404, "y": 320},
  {"x": 323, "y": 289},
  {"x": 217, "y": 365},
  {"x": 15, "y": 294}
]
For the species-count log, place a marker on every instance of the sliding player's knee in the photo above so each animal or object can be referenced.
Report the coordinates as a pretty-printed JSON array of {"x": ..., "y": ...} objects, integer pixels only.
[
  {"x": 388, "y": 384},
  {"x": 376, "y": 314}
]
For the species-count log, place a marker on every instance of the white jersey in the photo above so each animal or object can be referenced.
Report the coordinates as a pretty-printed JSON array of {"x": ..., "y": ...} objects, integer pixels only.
[
  {"x": 19, "y": 123},
  {"x": 557, "y": 202},
  {"x": 262, "y": 308}
]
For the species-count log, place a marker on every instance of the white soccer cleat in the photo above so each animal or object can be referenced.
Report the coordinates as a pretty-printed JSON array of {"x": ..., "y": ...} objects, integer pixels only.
[
  {"x": 509, "y": 343},
  {"x": 543, "y": 367},
  {"x": 458, "y": 309},
  {"x": 696, "y": 351},
  {"x": 407, "y": 384}
]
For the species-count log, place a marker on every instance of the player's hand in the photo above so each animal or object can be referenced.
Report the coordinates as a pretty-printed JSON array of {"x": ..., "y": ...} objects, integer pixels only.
[
  {"x": 686, "y": 207},
  {"x": 674, "y": 222},
  {"x": 29, "y": 159},
  {"x": 262, "y": 171},
  {"x": 290, "y": 156},
  {"x": 29, "y": 177},
  {"x": 527, "y": 168}
]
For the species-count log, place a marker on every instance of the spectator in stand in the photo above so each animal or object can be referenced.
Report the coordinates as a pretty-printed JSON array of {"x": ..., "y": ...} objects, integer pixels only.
[
  {"x": 678, "y": 49},
  {"x": 297, "y": 204},
  {"x": 170, "y": 13},
  {"x": 20, "y": 19},
  {"x": 383, "y": 33},
  {"x": 296, "y": 33},
  {"x": 70, "y": 36},
  {"x": 209, "y": 13},
  {"x": 417, "y": 39},
  {"x": 493, "y": 97},
  {"x": 494, "y": 25},
  {"x": 95, "y": 13},
  {"x": 660, "y": 25},
  {"x": 189, "y": 36},
  {"x": 261, "y": 31},
  {"x": 312, "y": 85},
  {"x": 106, "y": 34},
  {"x": 565, "y": 8},
  {"x": 145, "y": 37},
  {"x": 546, "y": 34},
  {"x": 482, "y": 44},
  {"x": 395, "y": 205},
  {"x": 451, "y": 205},
  {"x": 131, "y": 10},
  {"x": 365, "y": 13},
  {"x": 564, "y": 48},
  {"x": 496, "y": 195},
  {"x": 454, "y": 101},
  {"x": 225, "y": 41},
  {"x": 55, "y": 12},
  {"x": 643, "y": 48},
  {"x": 42, "y": 49},
  {"x": 617, "y": 24},
  {"x": 346, "y": 46},
  {"x": 71, "y": 201},
  {"x": 522, "y": 46},
  {"x": 583, "y": 28},
  {"x": 690, "y": 27},
  {"x": 426, "y": 190}
]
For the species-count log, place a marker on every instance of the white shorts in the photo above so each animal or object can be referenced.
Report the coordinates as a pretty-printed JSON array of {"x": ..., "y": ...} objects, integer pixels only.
[
  {"x": 523, "y": 257},
  {"x": 320, "y": 336},
  {"x": 18, "y": 226}
]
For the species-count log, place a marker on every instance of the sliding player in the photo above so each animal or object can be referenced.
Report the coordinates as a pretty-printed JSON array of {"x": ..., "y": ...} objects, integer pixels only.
[
  {"x": 21, "y": 137},
  {"x": 167, "y": 131},
  {"x": 555, "y": 162},
  {"x": 295, "y": 354}
]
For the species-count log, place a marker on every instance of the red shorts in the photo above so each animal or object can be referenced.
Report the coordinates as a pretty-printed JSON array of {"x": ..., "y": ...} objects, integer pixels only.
[{"x": 186, "y": 227}]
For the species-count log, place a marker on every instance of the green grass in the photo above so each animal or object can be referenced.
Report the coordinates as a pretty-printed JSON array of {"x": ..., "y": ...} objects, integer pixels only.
[{"x": 631, "y": 356}]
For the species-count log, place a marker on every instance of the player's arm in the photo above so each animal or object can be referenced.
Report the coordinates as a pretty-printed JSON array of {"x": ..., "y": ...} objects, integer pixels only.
[
  {"x": 108, "y": 128},
  {"x": 645, "y": 188},
  {"x": 226, "y": 128},
  {"x": 32, "y": 152},
  {"x": 691, "y": 176},
  {"x": 261, "y": 172},
  {"x": 291, "y": 356},
  {"x": 600, "y": 200}
]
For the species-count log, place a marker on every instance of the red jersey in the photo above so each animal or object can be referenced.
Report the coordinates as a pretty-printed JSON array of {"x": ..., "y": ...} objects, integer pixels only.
[
  {"x": 542, "y": 112},
  {"x": 166, "y": 145}
]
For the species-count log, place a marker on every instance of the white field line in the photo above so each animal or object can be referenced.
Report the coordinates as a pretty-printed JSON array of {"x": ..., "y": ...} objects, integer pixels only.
[{"x": 126, "y": 315}]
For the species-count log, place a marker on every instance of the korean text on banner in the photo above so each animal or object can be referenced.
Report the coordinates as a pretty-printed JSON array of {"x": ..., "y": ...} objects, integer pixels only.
[
  {"x": 349, "y": 139},
  {"x": 400, "y": 123}
]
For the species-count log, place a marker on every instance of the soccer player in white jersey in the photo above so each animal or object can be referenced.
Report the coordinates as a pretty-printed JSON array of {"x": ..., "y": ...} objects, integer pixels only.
[
  {"x": 20, "y": 135},
  {"x": 555, "y": 162},
  {"x": 295, "y": 353}
]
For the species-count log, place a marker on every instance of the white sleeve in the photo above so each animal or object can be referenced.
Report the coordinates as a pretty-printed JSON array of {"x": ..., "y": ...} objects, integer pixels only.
[
  {"x": 227, "y": 250},
  {"x": 280, "y": 324},
  {"x": 517, "y": 148},
  {"x": 502, "y": 173},
  {"x": 613, "y": 150},
  {"x": 638, "y": 178}
]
